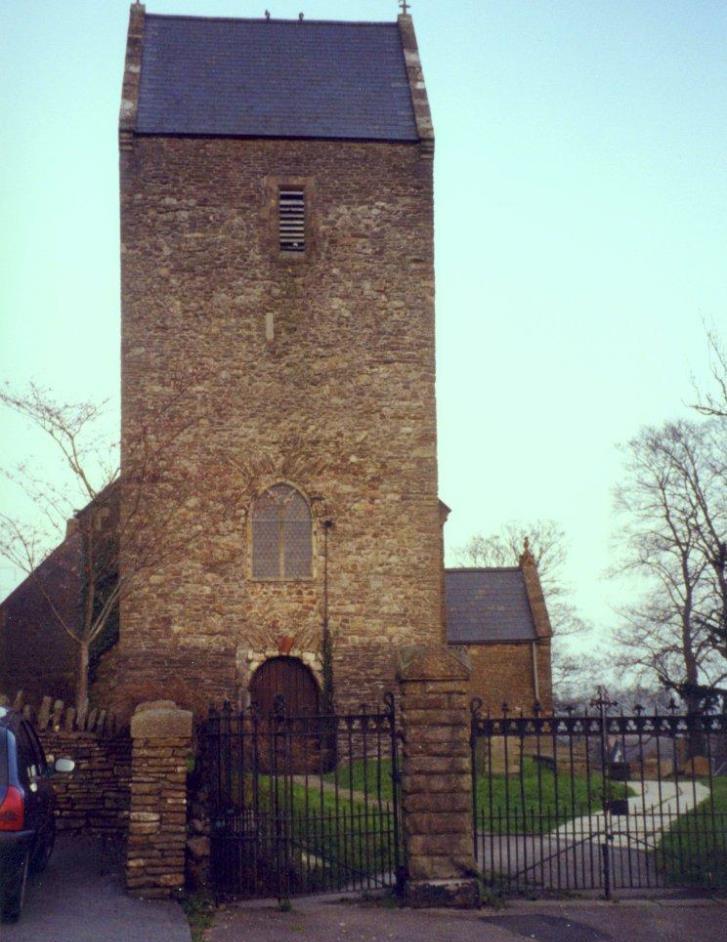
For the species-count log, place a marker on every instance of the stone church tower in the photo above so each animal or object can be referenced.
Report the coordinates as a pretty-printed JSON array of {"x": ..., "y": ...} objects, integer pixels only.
[{"x": 278, "y": 404}]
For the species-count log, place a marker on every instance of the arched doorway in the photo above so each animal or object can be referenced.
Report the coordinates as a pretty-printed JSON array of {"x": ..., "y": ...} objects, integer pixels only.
[
  {"x": 293, "y": 739},
  {"x": 289, "y": 678}
]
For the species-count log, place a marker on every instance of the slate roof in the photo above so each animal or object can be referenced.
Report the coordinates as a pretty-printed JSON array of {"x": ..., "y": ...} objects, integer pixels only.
[
  {"x": 487, "y": 606},
  {"x": 274, "y": 78}
]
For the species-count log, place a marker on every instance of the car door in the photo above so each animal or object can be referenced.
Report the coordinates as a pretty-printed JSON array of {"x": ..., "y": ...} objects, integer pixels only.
[
  {"x": 45, "y": 786},
  {"x": 33, "y": 773}
]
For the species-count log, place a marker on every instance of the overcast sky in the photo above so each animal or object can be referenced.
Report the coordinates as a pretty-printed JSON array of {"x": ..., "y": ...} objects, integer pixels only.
[{"x": 581, "y": 223}]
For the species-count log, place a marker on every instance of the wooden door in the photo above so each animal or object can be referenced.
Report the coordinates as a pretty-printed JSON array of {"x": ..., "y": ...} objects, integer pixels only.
[
  {"x": 285, "y": 677},
  {"x": 289, "y": 739}
]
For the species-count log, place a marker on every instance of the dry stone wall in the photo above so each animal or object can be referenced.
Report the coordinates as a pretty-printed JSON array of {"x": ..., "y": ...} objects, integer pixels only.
[{"x": 94, "y": 798}]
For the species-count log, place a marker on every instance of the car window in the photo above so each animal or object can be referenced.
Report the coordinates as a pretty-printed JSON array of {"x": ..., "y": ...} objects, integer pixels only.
[
  {"x": 27, "y": 759},
  {"x": 37, "y": 749}
]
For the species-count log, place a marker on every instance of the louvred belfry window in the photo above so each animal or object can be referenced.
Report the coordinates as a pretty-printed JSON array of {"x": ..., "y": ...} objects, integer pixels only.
[
  {"x": 281, "y": 535},
  {"x": 291, "y": 220}
]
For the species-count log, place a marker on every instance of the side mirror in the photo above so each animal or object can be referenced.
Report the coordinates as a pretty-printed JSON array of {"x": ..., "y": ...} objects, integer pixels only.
[{"x": 64, "y": 765}]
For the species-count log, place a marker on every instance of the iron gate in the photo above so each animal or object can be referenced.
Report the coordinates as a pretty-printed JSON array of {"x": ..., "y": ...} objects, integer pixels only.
[
  {"x": 599, "y": 801},
  {"x": 302, "y": 803}
]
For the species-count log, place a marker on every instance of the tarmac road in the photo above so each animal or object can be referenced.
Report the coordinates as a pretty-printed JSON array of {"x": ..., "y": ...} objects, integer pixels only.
[
  {"x": 81, "y": 898},
  {"x": 314, "y": 920}
]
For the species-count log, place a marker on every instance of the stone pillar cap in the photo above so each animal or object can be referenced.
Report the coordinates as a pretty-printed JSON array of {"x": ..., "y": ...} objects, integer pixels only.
[
  {"x": 161, "y": 719},
  {"x": 156, "y": 705}
]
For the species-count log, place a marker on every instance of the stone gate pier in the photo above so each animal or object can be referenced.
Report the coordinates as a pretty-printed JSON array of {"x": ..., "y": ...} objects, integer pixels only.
[
  {"x": 161, "y": 736},
  {"x": 436, "y": 789}
]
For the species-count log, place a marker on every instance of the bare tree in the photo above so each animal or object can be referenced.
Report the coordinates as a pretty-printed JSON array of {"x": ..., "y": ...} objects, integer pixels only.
[
  {"x": 83, "y": 503},
  {"x": 673, "y": 502},
  {"x": 548, "y": 544},
  {"x": 713, "y": 402}
]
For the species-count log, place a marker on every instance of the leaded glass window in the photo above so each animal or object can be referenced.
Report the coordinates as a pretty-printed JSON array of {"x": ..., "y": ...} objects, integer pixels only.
[{"x": 281, "y": 535}]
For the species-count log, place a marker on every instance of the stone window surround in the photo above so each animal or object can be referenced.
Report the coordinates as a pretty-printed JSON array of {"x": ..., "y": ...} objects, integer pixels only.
[{"x": 282, "y": 580}]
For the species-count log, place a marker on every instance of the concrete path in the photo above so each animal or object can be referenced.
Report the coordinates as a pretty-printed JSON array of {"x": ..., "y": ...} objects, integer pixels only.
[
  {"x": 313, "y": 920},
  {"x": 569, "y": 857},
  {"x": 81, "y": 898},
  {"x": 653, "y": 810},
  {"x": 564, "y": 863}
]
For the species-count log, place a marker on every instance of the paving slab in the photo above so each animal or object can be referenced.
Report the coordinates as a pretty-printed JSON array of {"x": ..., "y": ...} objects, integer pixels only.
[{"x": 81, "y": 898}]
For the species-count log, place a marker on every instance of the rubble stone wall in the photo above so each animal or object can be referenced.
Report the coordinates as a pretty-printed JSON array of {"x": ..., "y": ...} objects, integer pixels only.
[
  {"x": 94, "y": 798},
  {"x": 243, "y": 367}
]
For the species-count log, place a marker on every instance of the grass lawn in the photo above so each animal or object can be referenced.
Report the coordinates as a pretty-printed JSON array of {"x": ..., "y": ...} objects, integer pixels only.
[
  {"x": 537, "y": 800},
  {"x": 693, "y": 851},
  {"x": 372, "y": 777},
  {"x": 352, "y": 841},
  {"x": 321, "y": 840}
]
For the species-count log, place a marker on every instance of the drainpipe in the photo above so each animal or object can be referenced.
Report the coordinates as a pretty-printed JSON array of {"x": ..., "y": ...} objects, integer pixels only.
[
  {"x": 536, "y": 679},
  {"x": 327, "y": 652}
]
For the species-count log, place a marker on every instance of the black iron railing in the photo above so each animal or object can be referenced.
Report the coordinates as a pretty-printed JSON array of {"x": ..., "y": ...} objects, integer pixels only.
[
  {"x": 598, "y": 800},
  {"x": 302, "y": 803}
]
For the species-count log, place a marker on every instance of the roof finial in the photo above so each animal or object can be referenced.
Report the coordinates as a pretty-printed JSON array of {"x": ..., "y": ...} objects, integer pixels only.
[
  {"x": 300, "y": 17},
  {"x": 267, "y": 14},
  {"x": 526, "y": 557},
  {"x": 405, "y": 7}
]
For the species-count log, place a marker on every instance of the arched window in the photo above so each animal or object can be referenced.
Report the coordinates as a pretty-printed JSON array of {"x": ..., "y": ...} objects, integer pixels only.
[{"x": 281, "y": 535}]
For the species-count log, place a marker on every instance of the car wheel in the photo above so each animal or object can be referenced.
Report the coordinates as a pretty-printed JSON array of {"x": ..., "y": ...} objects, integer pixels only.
[
  {"x": 14, "y": 890},
  {"x": 42, "y": 854}
]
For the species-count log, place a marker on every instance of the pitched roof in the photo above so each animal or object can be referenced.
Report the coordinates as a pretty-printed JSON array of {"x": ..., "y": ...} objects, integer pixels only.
[
  {"x": 274, "y": 78},
  {"x": 487, "y": 606}
]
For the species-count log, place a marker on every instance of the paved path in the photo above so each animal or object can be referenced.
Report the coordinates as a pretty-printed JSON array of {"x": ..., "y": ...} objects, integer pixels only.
[
  {"x": 80, "y": 898},
  {"x": 653, "y": 810},
  {"x": 564, "y": 863},
  {"x": 569, "y": 857},
  {"x": 313, "y": 920}
]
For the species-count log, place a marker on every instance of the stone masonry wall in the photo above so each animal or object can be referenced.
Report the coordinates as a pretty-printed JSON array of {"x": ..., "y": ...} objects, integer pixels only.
[
  {"x": 503, "y": 673},
  {"x": 35, "y": 651},
  {"x": 94, "y": 798},
  {"x": 242, "y": 368}
]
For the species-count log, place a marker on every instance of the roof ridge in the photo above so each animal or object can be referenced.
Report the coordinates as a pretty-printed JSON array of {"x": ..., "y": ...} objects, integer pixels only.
[
  {"x": 482, "y": 569},
  {"x": 257, "y": 19}
]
